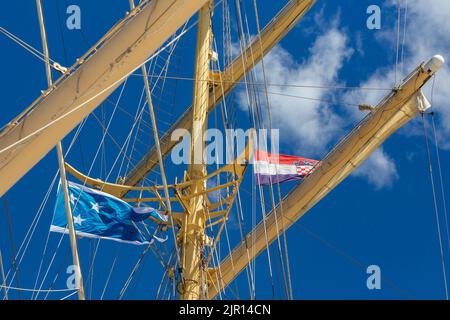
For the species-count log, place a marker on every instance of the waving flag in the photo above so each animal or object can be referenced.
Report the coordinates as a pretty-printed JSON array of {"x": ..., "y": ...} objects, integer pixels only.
[
  {"x": 97, "y": 214},
  {"x": 273, "y": 168}
]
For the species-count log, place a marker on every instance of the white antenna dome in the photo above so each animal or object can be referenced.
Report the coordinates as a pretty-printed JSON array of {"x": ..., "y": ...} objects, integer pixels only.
[{"x": 434, "y": 64}]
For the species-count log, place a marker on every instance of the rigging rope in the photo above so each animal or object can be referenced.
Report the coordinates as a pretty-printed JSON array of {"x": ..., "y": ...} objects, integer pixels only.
[
  {"x": 84, "y": 182},
  {"x": 254, "y": 115},
  {"x": 149, "y": 103},
  {"x": 90, "y": 278},
  {"x": 51, "y": 263},
  {"x": 313, "y": 99},
  {"x": 31, "y": 230},
  {"x": 284, "y": 85},
  {"x": 362, "y": 266},
  {"x": 2, "y": 270},
  {"x": 39, "y": 290},
  {"x": 259, "y": 122},
  {"x": 37, "y": 217},
  {"x": 133, "y": 272},
  {"x": 398, "y": 42},
  {"x": 11, "y": 241},
  {"x": 404, "y": 36},
  {"x": 29, "y": 48},
  {"x": 61, "y": 265},
  {"x": 76, "y": 108},
  {"x": 69, "y": 295},
  {"x": 441, "y": 180},
  {"x": 433, "y": 188},
  {"x": 110, "y": 272},
  {"x": 41, "y": 263},
  {"x": 227, "y": 125},
  {"x": 438, "y": 157},
  {"x": 289, "y": 284}
]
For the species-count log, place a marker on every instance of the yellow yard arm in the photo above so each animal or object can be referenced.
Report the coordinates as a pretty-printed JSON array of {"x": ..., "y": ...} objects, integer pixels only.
[
  {"x": 403, "y": 104},
  {"x": 30, "y": 136},
  {"x": 275, "y": 30}
]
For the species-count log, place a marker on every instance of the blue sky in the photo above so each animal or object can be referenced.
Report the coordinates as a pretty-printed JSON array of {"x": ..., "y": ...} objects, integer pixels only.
[{"x": 381, "y": 215}]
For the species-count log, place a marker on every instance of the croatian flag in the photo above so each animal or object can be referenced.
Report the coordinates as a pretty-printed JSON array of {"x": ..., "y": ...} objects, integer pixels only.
[
  {"x": 97, "y": 214},
  {"x": 272, "y": 168}
]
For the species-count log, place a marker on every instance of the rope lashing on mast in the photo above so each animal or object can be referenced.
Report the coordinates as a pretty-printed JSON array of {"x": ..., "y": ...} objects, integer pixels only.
[{"x": 366, "y": 107}]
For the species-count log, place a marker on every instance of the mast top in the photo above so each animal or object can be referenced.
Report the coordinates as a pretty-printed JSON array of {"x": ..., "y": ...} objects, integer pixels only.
[{"x": 434, "y": 64}]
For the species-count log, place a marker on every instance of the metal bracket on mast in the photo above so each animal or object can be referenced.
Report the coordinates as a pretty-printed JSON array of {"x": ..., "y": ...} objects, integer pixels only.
[
  {"x": 178, "y": 192},
  {"x": 217, "y": 211}
]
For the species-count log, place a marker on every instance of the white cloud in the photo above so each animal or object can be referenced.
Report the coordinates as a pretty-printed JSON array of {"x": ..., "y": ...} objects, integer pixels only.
[
  {"x": 379, "y": 170},
  {"x": 306, "y": 125},
  {"x": 428, "y": 25},
  {"x": 309, "y": 127},
  {"x": 427, "y": 34}
]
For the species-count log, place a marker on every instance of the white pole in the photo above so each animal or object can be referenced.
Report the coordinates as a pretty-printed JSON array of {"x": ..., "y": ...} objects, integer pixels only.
[{"x": 62, "y": 170}]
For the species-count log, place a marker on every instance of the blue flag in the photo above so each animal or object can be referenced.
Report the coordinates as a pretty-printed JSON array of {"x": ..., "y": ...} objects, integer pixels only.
[{"x": 97, "y": 214}]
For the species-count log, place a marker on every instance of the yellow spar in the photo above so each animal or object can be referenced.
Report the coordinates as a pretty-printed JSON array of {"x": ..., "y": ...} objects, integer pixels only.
[
  {"x": 402, "y": 105},
  {"x": 30, "y": 136}
]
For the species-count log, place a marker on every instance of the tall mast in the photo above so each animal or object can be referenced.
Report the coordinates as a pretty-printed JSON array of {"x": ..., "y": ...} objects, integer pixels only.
[
  {"x": 62, "y": 170},
  {"x": 271, "y": 34},
  {"x": 193, "y": 228}
]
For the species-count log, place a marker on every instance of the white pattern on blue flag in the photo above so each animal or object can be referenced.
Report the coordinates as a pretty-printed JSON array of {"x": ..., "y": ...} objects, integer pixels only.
[{"x": 97, "y": 214}]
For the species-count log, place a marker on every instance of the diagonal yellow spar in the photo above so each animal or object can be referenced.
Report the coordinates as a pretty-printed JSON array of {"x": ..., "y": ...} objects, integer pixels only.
[{"x": 402, "y": 105}]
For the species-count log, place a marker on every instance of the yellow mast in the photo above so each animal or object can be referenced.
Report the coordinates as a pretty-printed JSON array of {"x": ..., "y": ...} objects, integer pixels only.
[
  {"x": 124, "y": 49},
  {"x": 193, "y": 228},
  {"x": 62, "y": 169},
  {"x": 273, "y": 32}
]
